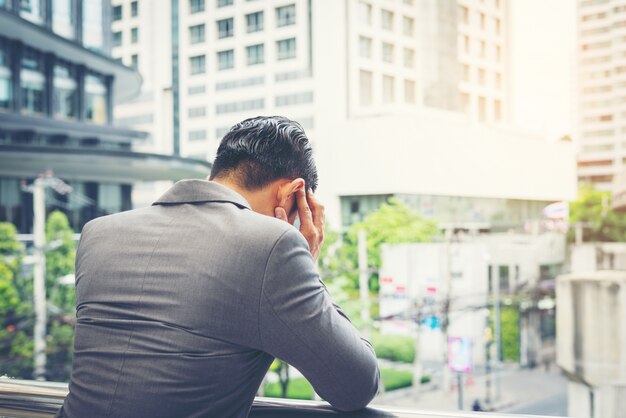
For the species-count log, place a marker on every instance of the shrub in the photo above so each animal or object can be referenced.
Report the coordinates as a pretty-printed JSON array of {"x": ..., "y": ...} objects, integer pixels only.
[
  {"x": 394, "y": 347},
  {"x": 298, "y": 388},
  {"x": 396, "y": 379}
]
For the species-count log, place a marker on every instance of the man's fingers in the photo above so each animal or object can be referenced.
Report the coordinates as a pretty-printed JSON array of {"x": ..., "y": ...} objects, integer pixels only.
[
  {"x": 280, "y": 213},
  {"x": 318, "y": 211},
  {"x": 304, "y": 211}
]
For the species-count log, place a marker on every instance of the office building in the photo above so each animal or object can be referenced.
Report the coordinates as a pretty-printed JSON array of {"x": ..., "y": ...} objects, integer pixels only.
[
  {"x": 601, "y": 59},
  {"x": 438, "y": 67},
  {"x": 58, "y": 85}
]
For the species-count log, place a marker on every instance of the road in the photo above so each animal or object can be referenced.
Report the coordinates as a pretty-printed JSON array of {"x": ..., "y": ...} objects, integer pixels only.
[{"x": 553, "y": 406}]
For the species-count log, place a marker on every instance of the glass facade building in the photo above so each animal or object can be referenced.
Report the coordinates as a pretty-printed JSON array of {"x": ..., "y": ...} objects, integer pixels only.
[{"x": 58, "y": 84}]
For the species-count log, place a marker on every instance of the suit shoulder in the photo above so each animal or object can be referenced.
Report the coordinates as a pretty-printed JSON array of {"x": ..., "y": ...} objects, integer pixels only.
[{"x": 266, "y": 228}]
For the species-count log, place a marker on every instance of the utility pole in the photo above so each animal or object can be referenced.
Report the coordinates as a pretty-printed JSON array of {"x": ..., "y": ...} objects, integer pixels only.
[
  {"x": 39, "y": 285},
  {"x": 496, "y": 326},
  {"x": 447, "y": 375},
  {"x": 364, "y": 278}
]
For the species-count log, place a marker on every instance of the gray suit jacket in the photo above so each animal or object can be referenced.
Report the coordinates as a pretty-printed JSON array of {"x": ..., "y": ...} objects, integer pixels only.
[{"x": 182, "y": 306}]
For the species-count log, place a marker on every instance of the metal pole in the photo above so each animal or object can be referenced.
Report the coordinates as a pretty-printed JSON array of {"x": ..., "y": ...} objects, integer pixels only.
[
  {"x": 363, "y": 277},
  {"x": 39, "y": 285},
  {"x": 459, "y": 381},
  {"x": 446, "y": 376},
  {"x": 496, "y": 327}
]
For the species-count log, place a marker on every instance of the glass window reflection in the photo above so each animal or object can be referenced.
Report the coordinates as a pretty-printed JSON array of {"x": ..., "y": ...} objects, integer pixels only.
[
  {"x": 95, "y": 99},
  {"x": 32, "y": 10},
  {"x": 32, "y": 82},
  {"x": 62, "y": 17},
  {"x": 65, "y": 91},
  {"x": 5, "y": 77},
  {"x": 93, "y": 34}
]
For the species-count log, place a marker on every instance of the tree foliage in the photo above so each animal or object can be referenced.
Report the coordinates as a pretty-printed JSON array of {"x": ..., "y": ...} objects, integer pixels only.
[
  {"x": 393, "y": 223},
  {"x": 16, "y": 346},
  {"x": 600, "y": 222}
]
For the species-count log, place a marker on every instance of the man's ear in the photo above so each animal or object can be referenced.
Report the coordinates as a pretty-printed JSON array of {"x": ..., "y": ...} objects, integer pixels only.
[{"x": 286, "y": 191}]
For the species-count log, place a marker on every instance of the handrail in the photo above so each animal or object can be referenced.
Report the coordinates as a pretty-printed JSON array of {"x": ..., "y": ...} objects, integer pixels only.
[{"x": 35, "y": 399}]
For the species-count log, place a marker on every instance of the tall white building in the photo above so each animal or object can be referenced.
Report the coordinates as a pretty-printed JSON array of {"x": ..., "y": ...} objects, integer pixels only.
[
  {"x": 415, "y": 74},
  {"x": 601, "y": 90}
]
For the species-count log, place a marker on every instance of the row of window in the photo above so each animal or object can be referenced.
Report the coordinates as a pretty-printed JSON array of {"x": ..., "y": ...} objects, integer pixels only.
[
  {"x": 255, "y": 54},
  {"x": 366, "y": 89},
  {"x": 134, "y": 37},
  {"x": 284, "y": 100},
  {"x": 481, "y": 49},
  {"x": 197, "y": 6},
  {"x": 387, "y": 52},
  {"x": 285, "y": 16},
  {"x": 482, "y": 19},
  {"x": 66, "y": 86},
  {"x": 118, "y": 11},
  {"x": 62, "y": 17},
  {"x": 481, "y": 75},
  {"x": 387, "y": 19}
]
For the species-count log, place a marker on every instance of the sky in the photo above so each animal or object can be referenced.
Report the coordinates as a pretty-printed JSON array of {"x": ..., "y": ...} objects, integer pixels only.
[{"x": 543, "y": 45}]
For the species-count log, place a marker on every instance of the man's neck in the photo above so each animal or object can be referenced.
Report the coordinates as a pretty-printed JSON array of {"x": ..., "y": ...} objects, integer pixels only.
[{"x": 258, "y": 199}]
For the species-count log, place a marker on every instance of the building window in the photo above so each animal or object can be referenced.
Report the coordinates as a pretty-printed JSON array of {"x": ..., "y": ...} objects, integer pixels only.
[
  {"x": 386, "y": 18},
  {"x": 286, "y": 48},
  {"x": 197, "y": 64},
  {"x": 222, "y": 3},
  {"x": 197, "y": 112},
  {"x": 134, "y": 9},
  {"x": 466, "y": 72},
  {"x": 286, "y": 15},
  {"x": 365, "y": 13},
  {"x": 225, "y": 59},
  {"x": 365, "y": 88},
  {"x": 93, "y": 33},
  {"x": 365, "y": 47},
  {"x": 496, "y": 24},
  {"x": 498, "y": 78},
  {"x": 497, "y": 110},
  {"x": 5, "y": 77},
  {"x": 196, "y": 90},
  {"x": 498, "y": 54},
  {"x": 117, "y": 38},
  {"x": 198, "y": 135},
  {"x": 65, "y": 100},
  {"x": 62, "y": 18},
  {"x": 95, "y": 99},
  {"x": 387, "y": 52},
  {"x": 389, "y": 86},
  {"x": 134, "y": 61},
  {"x": 409, "y": 57},
  {"x": 196, "y": 34},
  {"x": 483, "y": 20},
  {"x": 134, "y": 35},
  {"x": 117, "y": 13},
  {"x": 482, "y": 78},
  {"x": 32, "y": 82},
  {"x": 464, "y": 12},
  {"x": 483, "y": 49},
  {"x": 408, "y": 26},
  {"x": 294, "y": 99},
  {"x": 254, "y": 22},
  {"x": 32, "y": 10},
  {"x": 409, "y": 91},
  {"x": 482, "y": 109},
  {"x": 196, "y": 6},
  {"x": 240, "y": 106},
  {"x": 255, "y": 54},
  {"x": 225, "y": 28}
]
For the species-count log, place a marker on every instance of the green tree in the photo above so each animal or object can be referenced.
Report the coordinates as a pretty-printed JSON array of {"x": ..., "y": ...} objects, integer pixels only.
[
  {"x": 393, "y": 223},
  {"x": 16, "y": 345},
  {"x": 61, "y": 298},
  {"x": 600, "y": 222}
]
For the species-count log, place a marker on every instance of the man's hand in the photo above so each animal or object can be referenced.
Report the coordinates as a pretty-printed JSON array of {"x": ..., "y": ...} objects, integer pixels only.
[{"x": 311, "y": 214}]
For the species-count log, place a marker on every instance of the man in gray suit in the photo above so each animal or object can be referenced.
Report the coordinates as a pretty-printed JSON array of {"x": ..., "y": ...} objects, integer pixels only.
[{"x": 182, "y": 306}]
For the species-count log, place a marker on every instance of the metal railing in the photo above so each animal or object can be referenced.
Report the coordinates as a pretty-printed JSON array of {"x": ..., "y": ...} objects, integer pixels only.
[{"x": 34, "y": 399}]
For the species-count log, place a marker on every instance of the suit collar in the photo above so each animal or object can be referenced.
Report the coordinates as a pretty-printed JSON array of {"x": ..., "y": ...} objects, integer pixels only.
[{"x": 197, "y": 191}]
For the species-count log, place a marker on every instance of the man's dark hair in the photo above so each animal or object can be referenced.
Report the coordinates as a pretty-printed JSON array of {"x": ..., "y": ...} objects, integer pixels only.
[{"x": 260, "y": 150}]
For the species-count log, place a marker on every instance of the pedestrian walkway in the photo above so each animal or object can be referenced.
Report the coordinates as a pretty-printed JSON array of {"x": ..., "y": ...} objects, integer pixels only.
[{"x": 517, "y": 387}]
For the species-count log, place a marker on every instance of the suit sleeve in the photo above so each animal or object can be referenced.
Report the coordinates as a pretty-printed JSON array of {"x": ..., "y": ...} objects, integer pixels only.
[{"x": 299, "y": 324}]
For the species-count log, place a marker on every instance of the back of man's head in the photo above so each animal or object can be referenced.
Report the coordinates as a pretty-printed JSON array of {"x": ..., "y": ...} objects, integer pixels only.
[{"x": 263, "y": 149}]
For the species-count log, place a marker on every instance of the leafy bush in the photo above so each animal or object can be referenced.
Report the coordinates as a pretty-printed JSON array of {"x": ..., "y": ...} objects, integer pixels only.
[
  {"x": 394, "y": 347},
  {"x": 396, "y": 379},
  {"x": 298, "y": 388}
]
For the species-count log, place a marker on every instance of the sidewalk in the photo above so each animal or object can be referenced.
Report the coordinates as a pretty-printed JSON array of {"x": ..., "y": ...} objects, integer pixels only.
[{"x": 517, "y": 387}]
